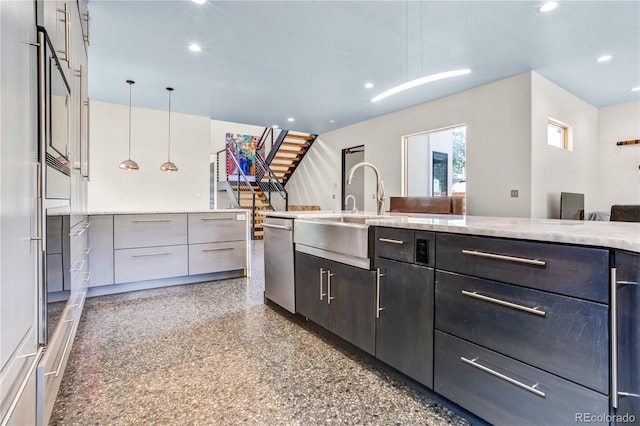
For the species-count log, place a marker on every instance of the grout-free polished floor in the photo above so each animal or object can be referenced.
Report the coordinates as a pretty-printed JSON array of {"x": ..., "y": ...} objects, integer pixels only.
[{"x": 214, "y": 354}]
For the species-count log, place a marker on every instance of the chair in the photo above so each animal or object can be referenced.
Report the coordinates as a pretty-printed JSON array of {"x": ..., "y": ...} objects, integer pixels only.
[{"x": 625, "y": 213}]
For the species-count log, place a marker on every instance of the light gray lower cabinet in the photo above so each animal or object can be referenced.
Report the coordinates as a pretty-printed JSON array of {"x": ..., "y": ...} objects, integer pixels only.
[
  {"x": 149, "y": 230},
  {"x": 150, "y": 263},
  {"x": 217, "y": 257},
  {"x": 101, "y": 255}
]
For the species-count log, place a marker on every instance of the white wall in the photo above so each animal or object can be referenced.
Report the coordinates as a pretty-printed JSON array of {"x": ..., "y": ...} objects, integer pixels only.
[
  {"x": 498, "y": 119},
  {"x": 617, "y": 173},
  {"x": 555, "y": 170},
  {"x": 148, "y": 189}
]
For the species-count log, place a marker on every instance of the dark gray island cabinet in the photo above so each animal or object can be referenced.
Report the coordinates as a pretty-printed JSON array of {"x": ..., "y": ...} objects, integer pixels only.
[
  {"x": 522, "y": 329},
  {"x": 337, "y": 297},
  {"x": 514, "y": 331}
]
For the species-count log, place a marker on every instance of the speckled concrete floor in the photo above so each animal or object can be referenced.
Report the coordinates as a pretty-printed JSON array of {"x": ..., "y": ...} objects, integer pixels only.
[{"x": 213, "y": 353}]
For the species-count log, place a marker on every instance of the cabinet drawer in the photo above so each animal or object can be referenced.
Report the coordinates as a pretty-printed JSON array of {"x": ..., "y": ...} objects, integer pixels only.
[
  {"x": 216, "y": 227},
  {"x": 504, "y": 391},
  {"x": 563, "y": 335},
  {"x": 396, "y": 244},
  {"x": 217, "y": 257},
  {"x": 573, "y": 271},
  {"x": 150, "y": 263},
  {"x": 148, "y": 230}
]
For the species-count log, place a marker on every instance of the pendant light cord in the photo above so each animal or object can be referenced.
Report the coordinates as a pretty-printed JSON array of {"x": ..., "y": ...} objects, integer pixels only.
[
  {"x": 130, "y": 84},
  {"x": 169, "y": 150}
]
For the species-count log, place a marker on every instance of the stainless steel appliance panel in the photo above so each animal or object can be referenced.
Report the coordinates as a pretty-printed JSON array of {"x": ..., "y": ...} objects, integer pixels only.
[{"x": 279, "y": 278}]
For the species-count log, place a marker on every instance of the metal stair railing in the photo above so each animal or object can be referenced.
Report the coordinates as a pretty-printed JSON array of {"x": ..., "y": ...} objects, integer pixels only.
[
  {"x": 276, "y": 146},
  {"x": 269, "y": 183},
  {"x": 241, "y": 181}
]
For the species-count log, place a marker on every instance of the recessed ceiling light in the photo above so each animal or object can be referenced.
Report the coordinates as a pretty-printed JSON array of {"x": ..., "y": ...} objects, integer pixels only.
[
  {"x": 604, "y": 58},
  {"x": 275, "y": 126},
  {"x": 291, "y": 119},
  {"x": 195, "y": 47},
  {"x": 199, "y": 1},
  {"x": 419, "y": 81},
  {"x": 368, "y": 85},
  {"x": 548, "y": 6},
  {"x": 636, "y": 89},
  {"x": 332, "y": 121}
]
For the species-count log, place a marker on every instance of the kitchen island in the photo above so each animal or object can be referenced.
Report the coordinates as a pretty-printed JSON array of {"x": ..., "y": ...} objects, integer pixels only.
[
  {"x": 141, "y": 250},
  {"x": 518, "y": 321}
]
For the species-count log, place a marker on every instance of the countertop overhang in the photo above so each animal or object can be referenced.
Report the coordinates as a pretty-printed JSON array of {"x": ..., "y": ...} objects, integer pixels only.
[{"x": 613, "y": 235}]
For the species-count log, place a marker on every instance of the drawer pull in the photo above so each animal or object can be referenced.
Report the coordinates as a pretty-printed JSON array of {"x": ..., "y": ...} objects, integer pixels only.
[
  {"x": 329, "y": 296},
  {"x": 627, "y": 282},
  {"x": 519, "y": 384},
  {"x": 86, "y": 251},
  {"x": 378, "y": 308},
  {"x": 87, "y": 277},
  {"x": 151, "y": 254},
  {"x": 217, "y": 249},
  {"x": 525, "y": 261},
  {"x": 500, "y": 302},
  {"x": 217, "y": 218},
  {"x": 389, "y": 240},
  {"x": 271, "y": 225},
  {"x": 79, "y": 267},
  {"x": 56, "y": 372},
  {"x": 322, "y": 272},
  {"x": 151, "y": 220}
]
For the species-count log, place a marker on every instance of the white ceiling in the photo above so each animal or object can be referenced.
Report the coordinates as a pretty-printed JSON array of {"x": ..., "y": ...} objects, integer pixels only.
[{"x": 264, "y": 61}]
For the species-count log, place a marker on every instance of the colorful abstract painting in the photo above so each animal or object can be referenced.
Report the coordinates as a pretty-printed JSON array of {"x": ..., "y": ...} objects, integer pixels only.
[{"x": 244, "y": 148}]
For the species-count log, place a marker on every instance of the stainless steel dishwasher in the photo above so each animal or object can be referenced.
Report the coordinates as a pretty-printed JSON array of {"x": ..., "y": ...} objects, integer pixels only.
[{"x": 279, "y": 275}]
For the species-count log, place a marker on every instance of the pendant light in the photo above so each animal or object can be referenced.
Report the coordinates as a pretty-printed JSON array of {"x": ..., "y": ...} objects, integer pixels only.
[
  {"x": 129, "y": 164},
  {"x": 168, "y": 166}
]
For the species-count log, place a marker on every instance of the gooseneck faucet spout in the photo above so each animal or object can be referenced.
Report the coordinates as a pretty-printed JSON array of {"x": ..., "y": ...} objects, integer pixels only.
[
  {"x": 379, "y": 185},
  {"x": 354, "y": 209}
]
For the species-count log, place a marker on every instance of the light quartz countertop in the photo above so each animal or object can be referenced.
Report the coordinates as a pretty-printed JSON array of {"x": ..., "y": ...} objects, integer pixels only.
[
  {"x": 169, "y": 212},
  {"x": 614, "y": 235}
]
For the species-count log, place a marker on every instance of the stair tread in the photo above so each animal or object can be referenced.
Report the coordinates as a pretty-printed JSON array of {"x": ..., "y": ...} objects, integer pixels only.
[
  {"x": 297, "y": 136},
  {"x": 291, "y": 151},
  {"x": 297, "y": 143}
]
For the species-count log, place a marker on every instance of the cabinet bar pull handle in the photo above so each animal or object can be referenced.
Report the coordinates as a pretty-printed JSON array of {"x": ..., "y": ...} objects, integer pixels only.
[
  {"x": 628, "y": 282},
  {"x": 151, "y": 254},
  {"x": 150, "y": 220},
  {"x": 521, "y": 385},
  {"x": 322, "y": 272},
  {"x": 534, "y": 262},
  {"x": 271, "y": 225},
  {"x": 378, "y": 308},
  {"x": 87, "y": 277},
  {"x": 614, "y": 338},
  {"x": 217, "y": 218},
  {"x": 79, "y": 267},
  {"x": 329, "y": 297},
  {"x": 500, "y": 302},
  {"x": 56, "y": 372},
  {"x": 389, "y": 240},
  {"x": 217, "y": 249},
  {"x": 87, "y": 250}
]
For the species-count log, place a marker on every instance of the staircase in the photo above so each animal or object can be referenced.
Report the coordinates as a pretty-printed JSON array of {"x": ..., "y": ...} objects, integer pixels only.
[
  {"x": 265, "y": 191},
  {"x": 287, "y": 152}
]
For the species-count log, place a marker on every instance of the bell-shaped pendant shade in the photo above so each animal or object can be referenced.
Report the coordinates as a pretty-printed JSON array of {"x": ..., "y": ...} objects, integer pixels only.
[
  {"x": 169, "y": 166},
  {"x": 129, "y": 164}
]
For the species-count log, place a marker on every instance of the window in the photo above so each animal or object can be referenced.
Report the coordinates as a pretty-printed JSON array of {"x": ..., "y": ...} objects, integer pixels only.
[
  {"x": 434, "y": 163},
  {"x": 557, "y": 134}
]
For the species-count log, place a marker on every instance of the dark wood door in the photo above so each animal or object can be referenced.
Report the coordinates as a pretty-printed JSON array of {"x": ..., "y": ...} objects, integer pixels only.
[
  {"x": 405, "y": 326},
  {"x": 352, "y": 305},
  {"x": 311, "y": 288}
]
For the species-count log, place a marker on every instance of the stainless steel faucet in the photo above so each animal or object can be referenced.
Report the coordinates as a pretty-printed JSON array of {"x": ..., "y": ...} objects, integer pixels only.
[
  {"x": 354, "y": 209},
  {"x": 379, "y": 185}
]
